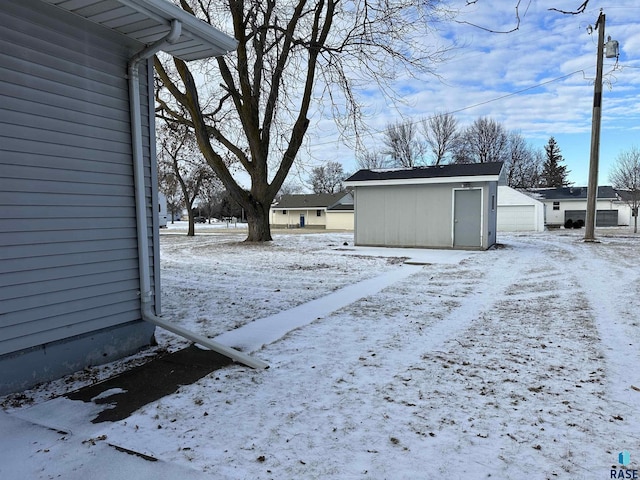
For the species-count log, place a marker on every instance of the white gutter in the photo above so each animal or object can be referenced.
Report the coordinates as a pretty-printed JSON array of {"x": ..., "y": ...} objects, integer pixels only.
[{"x": 146, "y": 294}]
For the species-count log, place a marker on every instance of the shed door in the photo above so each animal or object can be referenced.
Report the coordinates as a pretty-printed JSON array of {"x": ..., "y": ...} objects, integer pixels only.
[{"x": 467, "y": 218}]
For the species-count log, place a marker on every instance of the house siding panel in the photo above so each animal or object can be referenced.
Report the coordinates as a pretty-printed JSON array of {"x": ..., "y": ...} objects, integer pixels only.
[
  {"x": 67, "y": 218},
  {"x": 339, "y": 220}
]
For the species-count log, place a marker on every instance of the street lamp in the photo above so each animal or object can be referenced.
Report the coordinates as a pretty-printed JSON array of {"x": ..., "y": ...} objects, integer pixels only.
[{"x": 612, "y": 51}]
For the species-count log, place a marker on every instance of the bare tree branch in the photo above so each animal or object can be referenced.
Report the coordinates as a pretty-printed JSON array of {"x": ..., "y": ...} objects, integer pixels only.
[{"x": 579, "y": 10}]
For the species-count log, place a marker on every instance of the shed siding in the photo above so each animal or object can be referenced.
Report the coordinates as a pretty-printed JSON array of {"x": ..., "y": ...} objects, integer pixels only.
[
  {"x": 491, "y": 202},
  {"x": 68, "y": 256},
  {"x": 403, "y": 216}
]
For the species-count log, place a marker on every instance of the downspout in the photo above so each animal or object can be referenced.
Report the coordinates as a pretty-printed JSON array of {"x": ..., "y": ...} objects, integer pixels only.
[{"x": 146, "y": 293}]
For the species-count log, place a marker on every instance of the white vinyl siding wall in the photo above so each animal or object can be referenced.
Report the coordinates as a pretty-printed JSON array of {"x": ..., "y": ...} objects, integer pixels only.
[
  {"x": 68, "y": 250},
  {"x": 403, "y": 216}
]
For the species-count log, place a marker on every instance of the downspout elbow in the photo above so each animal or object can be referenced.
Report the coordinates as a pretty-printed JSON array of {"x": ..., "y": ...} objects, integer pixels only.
[
  {"x": 233, "y": 354},
  {"x": 171, "y": 38}
]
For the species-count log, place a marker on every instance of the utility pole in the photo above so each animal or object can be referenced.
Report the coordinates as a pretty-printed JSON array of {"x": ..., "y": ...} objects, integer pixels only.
[{"x": 592, "y": 188}]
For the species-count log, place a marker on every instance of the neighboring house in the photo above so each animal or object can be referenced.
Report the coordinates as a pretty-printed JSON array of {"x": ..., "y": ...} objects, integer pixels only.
[
  {"x": 570, "y": 203},
  {"x": 332, "y": 211},
  {"x": 446, "y": 206},
  {"x": 78, "y": 187},
  {"x": 162, "y": 211},
  {"x": 519, "y": 212}
]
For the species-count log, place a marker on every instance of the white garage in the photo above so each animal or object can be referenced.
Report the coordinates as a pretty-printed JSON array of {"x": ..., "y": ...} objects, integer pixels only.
[{"x": 518, "y": 212}]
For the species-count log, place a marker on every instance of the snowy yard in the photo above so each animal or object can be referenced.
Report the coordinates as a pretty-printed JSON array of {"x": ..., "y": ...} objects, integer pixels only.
[{"x": 518, "y": 362}]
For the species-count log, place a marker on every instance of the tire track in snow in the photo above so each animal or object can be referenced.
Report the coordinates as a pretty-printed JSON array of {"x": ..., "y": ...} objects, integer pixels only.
[
  {"x": 503, "y": 368},
  {"x": 594, "y": 268},
  {"x": 501, "y": 272}
]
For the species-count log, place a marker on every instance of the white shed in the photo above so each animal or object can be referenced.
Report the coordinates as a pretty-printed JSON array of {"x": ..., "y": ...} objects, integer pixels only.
[
  {"x": 519, "y": 212},
  {"x": 444, "y": 206}
]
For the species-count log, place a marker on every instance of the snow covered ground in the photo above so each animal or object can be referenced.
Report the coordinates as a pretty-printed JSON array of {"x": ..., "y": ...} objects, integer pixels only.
[{"x": 519, "y": 362}]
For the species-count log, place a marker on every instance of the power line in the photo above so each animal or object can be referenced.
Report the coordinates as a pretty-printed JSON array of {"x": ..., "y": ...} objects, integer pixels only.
[
  {"x": 468, "y": 107},
  {"x": 518, "y": 92}
]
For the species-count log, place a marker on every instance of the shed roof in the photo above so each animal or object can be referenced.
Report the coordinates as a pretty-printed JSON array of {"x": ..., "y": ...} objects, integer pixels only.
[
  {"x": 575, "y": 193},
  {"x": 433, "y": 174},
  {"x": 147, "y": 21}
]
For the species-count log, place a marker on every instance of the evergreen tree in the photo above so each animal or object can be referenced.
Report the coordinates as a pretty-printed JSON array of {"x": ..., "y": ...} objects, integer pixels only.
[{"x": 553, "y": 174}]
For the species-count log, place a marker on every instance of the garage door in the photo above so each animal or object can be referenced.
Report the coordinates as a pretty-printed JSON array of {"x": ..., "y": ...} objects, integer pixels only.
[
  {"x": 604, "y": 218},
  {"x": 516, "y": 218}
]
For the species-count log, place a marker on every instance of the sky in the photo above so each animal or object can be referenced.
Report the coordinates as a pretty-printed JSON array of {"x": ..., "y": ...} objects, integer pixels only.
[
  {"x": 537, "y": 80},
  {"x": 440, "y": 367}
]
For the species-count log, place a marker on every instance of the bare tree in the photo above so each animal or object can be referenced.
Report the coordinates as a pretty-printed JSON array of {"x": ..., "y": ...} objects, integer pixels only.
[
  {"x": 371, "y": 160},
  {"x": 625, "y": 177},
  {"x": 170, "y": 188},
  {"x": 210, "y": 195},
  {"x": 485, "y": 140},
  {"x": 401, "y": 144},
  {"x": 327, "y": 178},
  {"x": 441, "y": 135},
  {"x": 289, "y": 188},
  {"x": 289, "y": 55},
  {"x": 522, "y": 164},
  {"x": 180, "y": 163}
]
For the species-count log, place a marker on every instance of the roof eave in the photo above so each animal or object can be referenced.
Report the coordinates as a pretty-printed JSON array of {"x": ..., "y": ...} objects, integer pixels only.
[
  {"x": 147, "y": 21},
  {"x": 196, "y": 27},
  {"x": 423, "y": 181}
]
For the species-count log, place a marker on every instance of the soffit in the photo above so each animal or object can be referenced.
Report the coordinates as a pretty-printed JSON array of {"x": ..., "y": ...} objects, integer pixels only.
[{"x": 147, "y": 21}]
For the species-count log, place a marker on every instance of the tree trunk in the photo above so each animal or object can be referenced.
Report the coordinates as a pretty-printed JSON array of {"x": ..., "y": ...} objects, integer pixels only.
[
  {"x": 258, "y": 223},
  {"x": 192, "y": 228}
]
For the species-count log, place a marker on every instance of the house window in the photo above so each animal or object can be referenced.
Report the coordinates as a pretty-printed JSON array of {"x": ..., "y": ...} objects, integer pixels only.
[
  {"x": 556, "y": 205},
  {"x": 284, "y": 212},
  {"x": 318, "y": 213},
  {"x": 493, "y": 202}
]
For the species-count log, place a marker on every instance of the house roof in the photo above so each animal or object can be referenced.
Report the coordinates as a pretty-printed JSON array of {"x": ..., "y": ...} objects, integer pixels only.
[
  {"x": 147, "y": 21},
  {"x": 628, "y": 195},
  {"x": 315, "y": 200},
  {"x": 433, "y": 174},
  {"x": 342, "y": 207},
  {"x": 575, "y": 193}
]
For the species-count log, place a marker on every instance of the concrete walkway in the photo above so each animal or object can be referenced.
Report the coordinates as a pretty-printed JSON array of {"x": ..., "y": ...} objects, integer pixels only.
[{"x": 253, "y": 336}]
